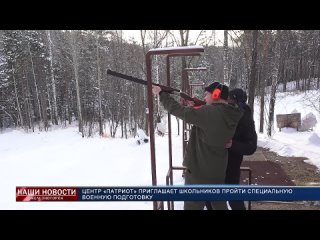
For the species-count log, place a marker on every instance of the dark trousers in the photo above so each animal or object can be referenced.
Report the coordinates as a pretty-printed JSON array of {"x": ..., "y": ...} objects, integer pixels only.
[
  {"x": 233, "y": 177},
  {"x": 199, "y": 205}
]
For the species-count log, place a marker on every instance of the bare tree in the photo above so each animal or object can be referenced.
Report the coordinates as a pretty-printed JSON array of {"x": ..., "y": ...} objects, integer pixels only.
[
  {"x": 17, "y": 99},
  {"x": 99, "y": 85},
  {"x": 35, "y": 85},
  {"x": 53, "y": 82},
  {"x": 318, "y": 57},
  {"x": 278, "y": 66},
  {"x": 265, "y": 51},
  {"x": 28, "y": 106},
  {"x": 225, "y": 58},
  {"x": 253, "y": 72},
  {"x": 75, "y": 53}
]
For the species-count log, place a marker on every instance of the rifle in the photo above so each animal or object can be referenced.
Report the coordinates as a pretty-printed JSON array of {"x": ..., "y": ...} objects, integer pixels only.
[{"x": 197, "y": 102}]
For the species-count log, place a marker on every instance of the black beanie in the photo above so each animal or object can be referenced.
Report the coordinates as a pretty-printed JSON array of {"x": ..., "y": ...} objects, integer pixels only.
[
  {"x": 224, "y": 89},
  {"x": 238, "y": 95}
]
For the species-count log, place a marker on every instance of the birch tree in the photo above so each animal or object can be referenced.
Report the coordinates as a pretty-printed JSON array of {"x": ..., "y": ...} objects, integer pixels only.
[
  {"x": 17, "y": 99},
  {"x": 35, "y": 85},
  {"x": 99, "y": 84},
  {"x": 277, "y": 74},
  {"x": 264, "y": 70},
  {"x": 75, "y": 53},
  {"x": 253, "y": 69},
  {"x": 53, "y": 82},
  {"x": 225, "y": 58}
]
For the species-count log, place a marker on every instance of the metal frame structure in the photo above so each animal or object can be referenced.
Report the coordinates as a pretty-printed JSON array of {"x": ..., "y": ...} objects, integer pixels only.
[
  {"x": 181, "y": 51},
  {"x": 169, "y": 52},
  {"x": 247, "y": 169},
  {"x": 169, "y": 178},
  {"x": 187, "y": 88}
]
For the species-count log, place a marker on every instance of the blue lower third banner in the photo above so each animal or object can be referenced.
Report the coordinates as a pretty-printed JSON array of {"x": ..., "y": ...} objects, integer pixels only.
[{"x": 172, "y": 193}]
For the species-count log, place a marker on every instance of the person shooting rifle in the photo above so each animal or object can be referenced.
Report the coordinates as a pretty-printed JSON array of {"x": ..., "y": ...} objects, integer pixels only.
[{"x": 214, "y": 125}]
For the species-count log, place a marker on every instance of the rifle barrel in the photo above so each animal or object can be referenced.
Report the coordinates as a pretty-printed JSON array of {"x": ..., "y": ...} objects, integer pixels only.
[
  {"x": 164, "y": 88},
  {"x": 140, "y": 81}
]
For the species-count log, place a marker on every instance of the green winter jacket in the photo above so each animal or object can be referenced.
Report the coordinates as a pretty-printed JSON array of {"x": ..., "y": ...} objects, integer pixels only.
[{"x": 214, "y": 125}]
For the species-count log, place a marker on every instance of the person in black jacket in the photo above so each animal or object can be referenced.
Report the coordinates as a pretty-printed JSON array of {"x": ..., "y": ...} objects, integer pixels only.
[{"x": 244, "y": 142}]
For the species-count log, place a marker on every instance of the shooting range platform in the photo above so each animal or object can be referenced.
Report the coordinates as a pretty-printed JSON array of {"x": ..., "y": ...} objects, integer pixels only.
[{"x": 264, "y": 172}]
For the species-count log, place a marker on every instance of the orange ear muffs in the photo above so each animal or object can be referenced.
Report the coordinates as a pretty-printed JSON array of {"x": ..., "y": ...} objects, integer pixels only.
[{"x": 216, "y": 94}]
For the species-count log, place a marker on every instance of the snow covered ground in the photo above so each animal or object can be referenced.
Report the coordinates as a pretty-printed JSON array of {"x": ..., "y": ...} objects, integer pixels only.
[
  {"x": 62, "y": 158},
  {"x": 289, "y": 142}
]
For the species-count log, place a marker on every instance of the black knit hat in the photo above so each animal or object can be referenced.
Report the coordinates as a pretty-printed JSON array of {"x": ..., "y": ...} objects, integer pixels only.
[
  {"x": 224, "y": 89},
  {"x": 238, "y": 95}
]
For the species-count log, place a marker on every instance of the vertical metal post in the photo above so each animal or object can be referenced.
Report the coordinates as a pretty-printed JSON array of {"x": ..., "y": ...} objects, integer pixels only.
[
  {"x": 249, "y": 170},
  {"x": 170, "y": 172},
  {"x": 184, "y": 124},
  {"x": 170, "y": 203},
  {"x": 151, "y": 127},
  {"x": 150, "y": 53}
]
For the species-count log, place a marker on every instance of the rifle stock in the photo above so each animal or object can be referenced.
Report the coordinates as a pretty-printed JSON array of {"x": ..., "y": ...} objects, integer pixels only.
[
  {"x": 197, "y": 102},
  {"x": 167, "y": 89}
]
